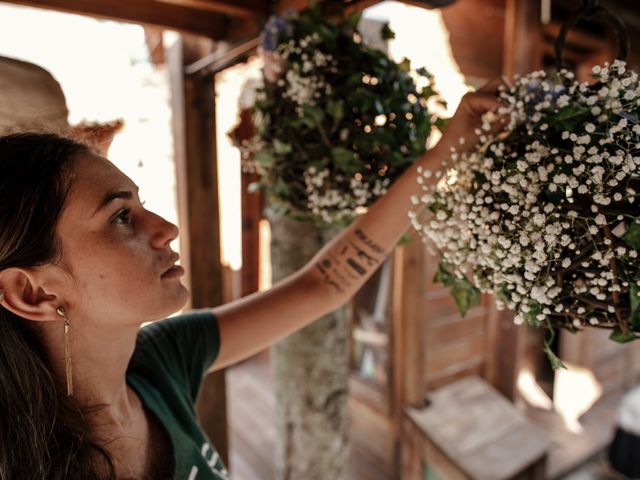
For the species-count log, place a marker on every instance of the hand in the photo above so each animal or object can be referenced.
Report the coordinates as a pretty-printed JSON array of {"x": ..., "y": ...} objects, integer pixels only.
[{"x": 468, "y": 118}]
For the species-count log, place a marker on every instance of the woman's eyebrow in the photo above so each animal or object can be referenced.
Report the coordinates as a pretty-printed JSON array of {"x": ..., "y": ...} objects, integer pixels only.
[{"x": 111, "y": 196}]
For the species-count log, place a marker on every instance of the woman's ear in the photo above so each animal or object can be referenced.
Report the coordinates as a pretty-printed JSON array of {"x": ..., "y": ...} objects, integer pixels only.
[{"x": 23, "y": 294}]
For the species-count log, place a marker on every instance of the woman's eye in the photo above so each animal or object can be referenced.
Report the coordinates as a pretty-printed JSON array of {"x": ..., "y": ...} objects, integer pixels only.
[{"x": 124, "y": 217}]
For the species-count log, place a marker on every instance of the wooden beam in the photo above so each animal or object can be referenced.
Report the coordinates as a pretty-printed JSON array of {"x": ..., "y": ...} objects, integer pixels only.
[
  {"x": 150, "y": 12},
  {"x": 239, "y": 8},
  {"x": 282, "y": 6},
  {"x": 522, "y": 43},
  {"x": 193, "y": 105}
]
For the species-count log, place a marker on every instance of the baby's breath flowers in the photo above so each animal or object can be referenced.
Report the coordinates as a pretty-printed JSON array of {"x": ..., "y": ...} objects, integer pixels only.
[
  {"x": 336, "y": 121},
  {"x": 545, "y": 213}
]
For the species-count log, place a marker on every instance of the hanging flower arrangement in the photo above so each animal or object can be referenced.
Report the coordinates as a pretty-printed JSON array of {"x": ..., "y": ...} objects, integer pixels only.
[
  {"x": 337, "y": 121},
  {"x": 545, "y": 214}
]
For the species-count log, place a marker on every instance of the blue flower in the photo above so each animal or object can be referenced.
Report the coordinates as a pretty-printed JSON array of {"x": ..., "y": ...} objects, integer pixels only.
[
  {"x": 275, "y": 30},
  {"x": 630, "y": 117}
]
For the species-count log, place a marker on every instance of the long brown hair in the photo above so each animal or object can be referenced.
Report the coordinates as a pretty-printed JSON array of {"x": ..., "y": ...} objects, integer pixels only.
[{"x": 43, "y": 435}]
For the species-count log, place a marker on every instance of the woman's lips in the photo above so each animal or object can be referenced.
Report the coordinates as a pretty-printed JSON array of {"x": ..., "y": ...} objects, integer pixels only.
[{"x": 173, "y": 272}]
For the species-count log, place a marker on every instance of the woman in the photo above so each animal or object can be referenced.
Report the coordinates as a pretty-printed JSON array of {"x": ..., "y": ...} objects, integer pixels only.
[{"x": 86, "y": 394}]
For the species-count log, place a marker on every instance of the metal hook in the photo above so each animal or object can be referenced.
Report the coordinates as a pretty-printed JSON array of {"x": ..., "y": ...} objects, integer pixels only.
[{"x": 590, "y": 9}]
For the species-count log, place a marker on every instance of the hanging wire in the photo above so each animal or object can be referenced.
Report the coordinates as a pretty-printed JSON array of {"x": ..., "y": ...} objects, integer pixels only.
[{"x": 592, "y": 9}]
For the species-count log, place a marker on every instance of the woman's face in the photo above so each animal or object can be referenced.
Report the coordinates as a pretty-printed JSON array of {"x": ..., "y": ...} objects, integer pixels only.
[{"x": 116, "y": 255}]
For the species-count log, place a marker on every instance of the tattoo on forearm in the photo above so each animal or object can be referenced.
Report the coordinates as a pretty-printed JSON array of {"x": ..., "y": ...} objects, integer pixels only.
[
  {"x": 323, "y": 266},
  {"x": 356, "y": 266},
  {"x": 364, "y": 256},
  {"x": 368, "y": 242},
  {"x": 348, "y": 263}
]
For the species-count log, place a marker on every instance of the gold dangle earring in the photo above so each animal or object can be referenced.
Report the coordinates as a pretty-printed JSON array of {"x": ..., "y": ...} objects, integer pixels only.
[{"x": 67, "y": 350}]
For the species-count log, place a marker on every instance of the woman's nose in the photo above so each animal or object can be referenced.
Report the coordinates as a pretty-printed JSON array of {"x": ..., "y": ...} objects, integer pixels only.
[{"x": 164, "y": 232}]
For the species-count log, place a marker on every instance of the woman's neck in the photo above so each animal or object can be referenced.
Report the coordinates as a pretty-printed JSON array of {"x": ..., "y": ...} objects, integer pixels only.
[{"x": 99, "y": 359}]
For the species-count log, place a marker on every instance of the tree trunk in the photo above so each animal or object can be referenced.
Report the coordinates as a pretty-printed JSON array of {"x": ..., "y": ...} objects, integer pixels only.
[{"x": 311, "y": 372}]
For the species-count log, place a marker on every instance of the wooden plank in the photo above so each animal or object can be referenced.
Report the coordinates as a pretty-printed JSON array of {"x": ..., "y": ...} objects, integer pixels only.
[
  {"x": 150, "y": 12},
  {"x": 480, "y": 431},
  {"x": 522, "y": 37},
  {"x": 240, "y": 8},
  {"x": 193, "y": 104},
  {"x": 419, "y": 451},
  {"x": 445, "y": 355},
  {"x": 522, "y": 40},
  {"x": 408, "y": 325}
]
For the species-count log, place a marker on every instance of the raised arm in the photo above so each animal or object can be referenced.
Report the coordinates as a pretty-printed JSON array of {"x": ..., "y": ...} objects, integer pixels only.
[{"x": 341, "y": 267}]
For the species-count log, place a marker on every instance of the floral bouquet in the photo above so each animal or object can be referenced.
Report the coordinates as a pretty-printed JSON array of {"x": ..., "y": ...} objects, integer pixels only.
[
  {"x": 336, "y": 120},
  {"x": 544, "y": 214}
]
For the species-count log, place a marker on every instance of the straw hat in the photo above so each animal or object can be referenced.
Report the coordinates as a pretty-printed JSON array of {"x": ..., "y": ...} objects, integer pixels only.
[{"x": 31, "y": 100}]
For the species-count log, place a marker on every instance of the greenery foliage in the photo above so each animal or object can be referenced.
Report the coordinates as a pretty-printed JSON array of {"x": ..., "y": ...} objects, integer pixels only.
[{"x": 338, "y": 122}]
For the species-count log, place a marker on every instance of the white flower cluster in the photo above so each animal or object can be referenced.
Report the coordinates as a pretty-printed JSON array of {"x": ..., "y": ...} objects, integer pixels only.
[
  {"x": 541, "y": 214},
  {"x": 306, "y": 65},
  {"x": 326, "y": 196}
]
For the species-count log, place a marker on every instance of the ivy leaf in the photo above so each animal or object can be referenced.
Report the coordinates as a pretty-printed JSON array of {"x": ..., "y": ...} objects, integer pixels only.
[
  {"x": 632, "y": 235},
  {"x": 443, "y": 275},
  {"x": 354, "y": 19},
  {"x": 336, "y": 110},
  {"x": 386, "y": 33},
  {"x": 345, "y": 160},
  {"x": 265, "y": 159},
  {"x": 442, "y": 123},
  {"x": 465, "y": 294},
  {"x": 280, "y": 147},
  {"x": 254, "y": 187},
  {"x": 556, "y": 363},
  {"x": 311, "y": 114},
  {"x": 503, "y": 294},
  {"x": 618, "y": 336},
  {"x": 424, "y": 72},
  {"x": 634, "y": 302},
  {"x": 534, "y": 311},
  {"x": 405, "y": 66},
  {"x": 568, "y": 117},
  {"x": 281, "y": 188}
]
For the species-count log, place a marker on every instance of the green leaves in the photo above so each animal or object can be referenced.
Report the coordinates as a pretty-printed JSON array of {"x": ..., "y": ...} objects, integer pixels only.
[
  {"x": 281, "y": 148},
  {"x": 618, "y": 336},
  {"x": 386, "y": 33},
  {"x": 341, "y": 106},
  {"x": 465, "y": 294},
  {"x": 632, "y": 235},
  {"x": 312, "y": 115},
  {"x": 555, "y": 361},
  {"x": 345, "y": 160},
  {"x": 569, "y": 117},
  {"x": 634, "y": 303}
]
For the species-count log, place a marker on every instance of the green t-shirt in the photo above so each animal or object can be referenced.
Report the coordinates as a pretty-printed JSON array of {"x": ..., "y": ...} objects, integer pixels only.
[{"x": 166, "y": 371}]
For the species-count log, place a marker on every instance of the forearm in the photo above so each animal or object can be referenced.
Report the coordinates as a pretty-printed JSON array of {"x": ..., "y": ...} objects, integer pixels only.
[
  {"x": 330, "y": 279},
  {"x": 350, "y": 259}
]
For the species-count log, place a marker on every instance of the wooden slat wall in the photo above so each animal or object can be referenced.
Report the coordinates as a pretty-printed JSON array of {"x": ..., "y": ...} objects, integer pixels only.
[
  {"x": 616, "y": 367},
  {"x": 454, "y": 346}
]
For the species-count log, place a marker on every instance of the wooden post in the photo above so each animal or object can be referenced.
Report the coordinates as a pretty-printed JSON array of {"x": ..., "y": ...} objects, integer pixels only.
[
  {"x": 409, "y": 301},
  {"x": 193, "y": 103},
  {"x": 522, "y": 41}
]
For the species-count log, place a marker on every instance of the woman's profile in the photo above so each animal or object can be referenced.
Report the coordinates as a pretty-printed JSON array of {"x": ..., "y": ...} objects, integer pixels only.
[{"x": 85, "y": 392}]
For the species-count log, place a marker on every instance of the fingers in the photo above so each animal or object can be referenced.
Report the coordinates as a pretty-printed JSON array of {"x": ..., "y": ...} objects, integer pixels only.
[
  {"x": 493, "y": 86},
  {"x": 480, "y": 102}
]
